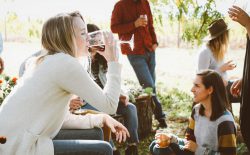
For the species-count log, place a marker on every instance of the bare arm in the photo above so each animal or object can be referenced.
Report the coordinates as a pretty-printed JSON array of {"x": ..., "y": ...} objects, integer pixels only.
[{"x": 240, "y": 16}]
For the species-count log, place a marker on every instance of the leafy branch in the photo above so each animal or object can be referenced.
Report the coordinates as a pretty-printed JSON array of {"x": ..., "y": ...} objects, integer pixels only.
[{"x": 193, "y": 16}]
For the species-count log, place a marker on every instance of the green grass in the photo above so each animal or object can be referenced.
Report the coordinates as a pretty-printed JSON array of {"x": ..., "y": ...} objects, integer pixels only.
[
  {"x": 177, "y": 104},
  {"x": 175, "y": 71}
]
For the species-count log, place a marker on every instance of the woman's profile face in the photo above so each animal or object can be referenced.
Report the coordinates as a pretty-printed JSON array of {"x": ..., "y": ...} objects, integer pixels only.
[
  {"x": 199, "y": 90},
  {"x": 81, "y": 37}
]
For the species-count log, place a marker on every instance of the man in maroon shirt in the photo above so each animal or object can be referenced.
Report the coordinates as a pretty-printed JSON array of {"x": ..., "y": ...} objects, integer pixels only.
[{"x": 134, "y": 17}]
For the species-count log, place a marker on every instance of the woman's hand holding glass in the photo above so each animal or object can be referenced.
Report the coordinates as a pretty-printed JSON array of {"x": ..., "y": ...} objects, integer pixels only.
[
  {"x": 190, "y": 145},
  {"x": 116, "y": 127},
  {"x": 110, "y": 49}
]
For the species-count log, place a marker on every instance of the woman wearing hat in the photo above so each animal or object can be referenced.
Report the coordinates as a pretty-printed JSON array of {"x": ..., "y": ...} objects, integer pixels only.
[{"x": 213, "y": 54}]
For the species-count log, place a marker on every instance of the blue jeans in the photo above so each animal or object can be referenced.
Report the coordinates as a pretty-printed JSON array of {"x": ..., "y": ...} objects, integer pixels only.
[
  {"x": 144, "y": 67},
  {"x": 80, "y": 147},
  {"x": 75, "y": 142},
  {"x": 129, "y": 112},
  {"x": 88, "y": 134}
]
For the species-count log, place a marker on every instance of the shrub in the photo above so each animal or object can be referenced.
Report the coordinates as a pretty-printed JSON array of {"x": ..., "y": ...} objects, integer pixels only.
[
  {"x": 6, "y": 85},
  {"x": 175, "y": 102},
  {"x": 136, "y": 91}
]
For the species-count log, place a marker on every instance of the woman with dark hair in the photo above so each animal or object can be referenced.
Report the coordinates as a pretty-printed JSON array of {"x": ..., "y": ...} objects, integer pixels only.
[{"x": 211, "y": 127}]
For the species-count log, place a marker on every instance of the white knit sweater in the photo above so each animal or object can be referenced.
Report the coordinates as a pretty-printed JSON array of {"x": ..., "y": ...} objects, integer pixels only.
[{"x": 34, "y": 111}]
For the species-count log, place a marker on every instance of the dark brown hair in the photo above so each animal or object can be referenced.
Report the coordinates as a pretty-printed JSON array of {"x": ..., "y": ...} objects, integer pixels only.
[{"x": 219, "y": 98}]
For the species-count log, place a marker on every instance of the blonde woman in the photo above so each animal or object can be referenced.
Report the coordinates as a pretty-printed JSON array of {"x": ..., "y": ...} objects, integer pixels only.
[
  {"x": 34, "y": 112},
  {"x": 212, "y": 56}
]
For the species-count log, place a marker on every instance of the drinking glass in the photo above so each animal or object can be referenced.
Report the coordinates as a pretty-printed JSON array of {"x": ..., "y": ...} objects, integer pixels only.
[
  {"x": 96, "y": 40},
  {"x": 129, "y": 42},
  {"x": 162, "y": 138},
  {"x": 144, "y": 16}
]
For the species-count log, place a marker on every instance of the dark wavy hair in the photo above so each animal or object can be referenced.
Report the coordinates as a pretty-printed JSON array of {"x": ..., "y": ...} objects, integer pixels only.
[
  {"x": 98, "y": 59},
  {"x": 219, "y": 98}
]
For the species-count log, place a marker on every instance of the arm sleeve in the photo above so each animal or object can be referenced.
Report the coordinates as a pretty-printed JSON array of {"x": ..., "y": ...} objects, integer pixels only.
[
  {"x": 203, "y": 60},
  {"x": 189, "y": 133},
  {"x": 190, "y": 130},
  {"x": 150, "y": 26},
  {"x": 117, "y": 25},
  {"x": 88, "y": 121},
  {"x": 227, "y": 138},
  {"x": 75, "y": 80}
]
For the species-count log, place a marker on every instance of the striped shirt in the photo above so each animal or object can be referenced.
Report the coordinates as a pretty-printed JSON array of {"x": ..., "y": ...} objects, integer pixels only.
[{"x": 212, "y": 137}]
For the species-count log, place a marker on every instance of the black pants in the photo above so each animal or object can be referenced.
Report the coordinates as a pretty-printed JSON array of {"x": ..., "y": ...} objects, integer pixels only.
[{"x": 245, "y": 102}]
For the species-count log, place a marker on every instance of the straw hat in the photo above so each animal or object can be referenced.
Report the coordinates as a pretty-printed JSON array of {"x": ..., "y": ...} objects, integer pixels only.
[{"x": 216, "y": 28}]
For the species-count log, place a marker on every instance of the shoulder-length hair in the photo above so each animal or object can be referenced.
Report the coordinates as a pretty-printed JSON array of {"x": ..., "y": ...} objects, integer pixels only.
[
  {"x": 58, "y": 34},
  {"x": 219, "y": 98},
  {"x": 219, "y": 46}
]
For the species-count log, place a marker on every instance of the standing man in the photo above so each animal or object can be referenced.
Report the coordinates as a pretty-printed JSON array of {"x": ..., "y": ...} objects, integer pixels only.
[
  {"x": 242, "y": 87},
  {"x": 134, "y": 18},
  {"x": 1, "y": 49}
]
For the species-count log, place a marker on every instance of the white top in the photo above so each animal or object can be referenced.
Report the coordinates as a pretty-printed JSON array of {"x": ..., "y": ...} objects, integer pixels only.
[
  {"x": 33, "y": 113},
  {"x": 206, "y": 60}
]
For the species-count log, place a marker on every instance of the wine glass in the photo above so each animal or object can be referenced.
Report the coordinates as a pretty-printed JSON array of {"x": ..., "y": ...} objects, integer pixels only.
[
  {"x": 129, "y": 42},
  {"x": 96, "y": 40}
]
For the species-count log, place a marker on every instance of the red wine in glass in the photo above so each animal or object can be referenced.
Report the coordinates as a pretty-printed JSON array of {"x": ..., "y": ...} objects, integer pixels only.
[{"x": 98, "y": 47}]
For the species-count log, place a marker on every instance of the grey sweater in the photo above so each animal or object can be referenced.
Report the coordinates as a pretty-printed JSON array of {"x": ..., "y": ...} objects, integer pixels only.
[{"x": 206, "y": 60}]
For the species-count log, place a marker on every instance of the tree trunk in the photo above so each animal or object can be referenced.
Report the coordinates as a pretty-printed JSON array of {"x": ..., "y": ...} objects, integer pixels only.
[{"x": 144, "y": 113}]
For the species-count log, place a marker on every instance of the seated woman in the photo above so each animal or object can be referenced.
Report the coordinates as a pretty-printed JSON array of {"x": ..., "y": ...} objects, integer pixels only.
[
  {"x": 35, "y": 110},
  {"x": 213, "y": 54},
  {"x": 99, "y": 69},
  {"x": 211, "y": 127}
]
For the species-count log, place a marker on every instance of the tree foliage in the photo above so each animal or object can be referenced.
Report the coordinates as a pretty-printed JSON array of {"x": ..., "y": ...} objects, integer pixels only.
[{"x": 193, "y": 16}]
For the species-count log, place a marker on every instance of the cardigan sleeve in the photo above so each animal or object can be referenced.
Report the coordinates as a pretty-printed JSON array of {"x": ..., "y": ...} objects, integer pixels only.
[
  {"x": 117, "y": 25},
  {"x": 227, "y": 138},
  {"x": 203, "y": 60},
  {"x": 71, "y": 77},
  {"x": 87, "y": 121}
]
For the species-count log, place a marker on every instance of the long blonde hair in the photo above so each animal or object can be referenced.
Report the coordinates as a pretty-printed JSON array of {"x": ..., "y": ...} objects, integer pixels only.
[
  {"x": 58, "y": 35},
  {"x": 219, "y": 45}
]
